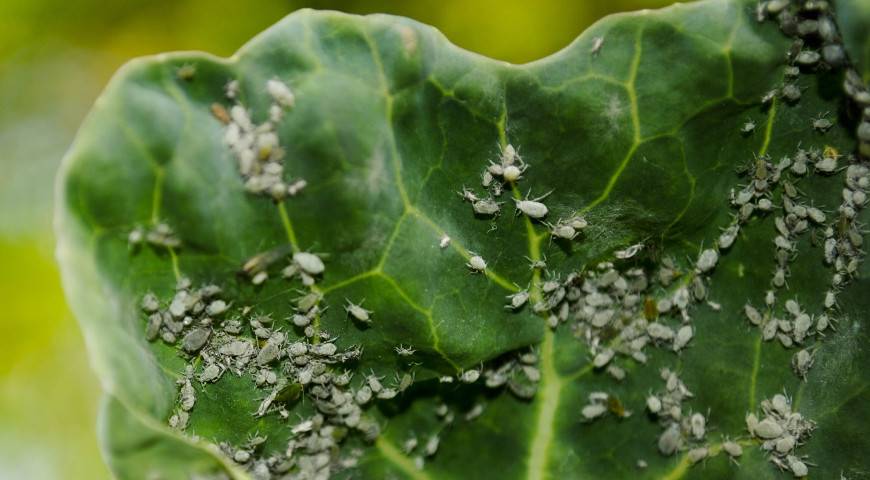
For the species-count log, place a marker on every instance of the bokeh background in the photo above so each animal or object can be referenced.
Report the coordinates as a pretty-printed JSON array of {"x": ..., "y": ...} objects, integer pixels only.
[{"x": 55, "y": 58}]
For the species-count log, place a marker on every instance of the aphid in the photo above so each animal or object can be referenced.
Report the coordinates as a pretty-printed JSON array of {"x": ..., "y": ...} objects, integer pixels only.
[
  {"x": 779, "y": 275},
  {"x": 357, "y": 312},
  {"x": 768, "y": 429},
  {"x": 195, "y": 340},
  {"x": 670, "y": 440},
  {"x": 211, "y": 373},
  {"x": 309, "y": 263},
  {"x": 518, "y": 299},
  {"x": 695, "y": 455},
  {"x": 593, "y": 411},
  {"x": 187, "y": 395},
  {"x": 798, "y": 468},
  {"x": 769, "y": 96},
  {"x": 684, "y": 335},
  {"x": 476, "y": 263},
  {"x": 216, "y": 307},
  {"x": 563, "y": 230},
  {"x": 752, "y": 314},
  {"x": 220, "y": 113},
  {"x": 748, "y": 127},
  {"x": 532, "y": 208},
  {"x": 816, "y": 215},
  {"x": 404, "y": 351},
  {"x": 512, "y": 173},
  {"x": 509, "y": 155},
  {"x": 281, "y": 93},
  {"x": 808, "y": 58},
  {"x": 468, "y": 195},
  {"x": 830, "y": 299},
  {"x": 297, "y": 186},
  {"x": 603, "y": 358},
  {"x": 629, "y": 251},
  {"x": 486, "y": 206},
  {"x": 231, "y": 89},
  {"x": 186, "y": 72},
  {"x": 260, "y": 277},
  {"x": 597, "y": 43},
  {"x": 733, "y": 449},
  {"x": 432, "y": 445},
  {"x": 469, "y": 376},
  {"x": 728, "y": 236},
  {"x": 658, "y": 331},
  {"x": 826, "y": 165},
  {"x": 444, "y": 241},
  {"x": 616, "y": 372},
  {"x": 707, "y": 260},
  {"x": 822, "y": 124},
  {"x": 653, "y": 404},
  {"x": 698, "y": 425}
]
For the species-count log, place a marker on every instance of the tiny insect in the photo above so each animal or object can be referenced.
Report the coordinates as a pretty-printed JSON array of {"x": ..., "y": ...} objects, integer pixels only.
[
  {"x": 733, "y": 449},
  {"x": 791, "y": 93},
  {"x": 808, "y": 58},
  {"x": 476, "y": 263},
  {"x": 597, "y": 43},
  {"x": 728, "y": 236},
  {"x": 512, "y": 173},
  {"x": 469, "y": 376},
  {"x": 220, "y": 113},
  {"x": 629, "y": 251},
  {"x": 821, "y": 123},
  {"x": 695, "y": 455},
  {"x": 444, "y": 242},
  {"x": 752, "y": 314},
  {"x": 486, "y": 206},
  {"x": 670, "y": 440},
  {"x": 653, "y": 404},
  {"x": 563, "y": 230},
  {"x": 826, "y": 165},
  {"x": 603, "y": 358},
  {"x": 707, "y": 260},
  {"x": 281, "y": 93},
  {"x": 186, "y": 72},
  {"x": 518, "y": 299},
  {"x": 404, "y": 351},
  {"x": 593, "y": 411},
  {"x": 532, "y": 208},
  {"x": 748, "y": 127},
  {"x": 684, "y": 335},
  {"x": 309, "y": 263},
  {"x": 769, "y": 96},
  {"x": 357, "y": 312},
  {"x": 468, "y": 195},
  {"x": 768, "y": 429}
]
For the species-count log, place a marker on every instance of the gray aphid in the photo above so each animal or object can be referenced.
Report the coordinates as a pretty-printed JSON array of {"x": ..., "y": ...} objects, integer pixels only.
[
  {"x": 357, "y": 312},
  {"x": 486, "y": 206},
  {"x": 707, "y": 260},
  {"x": 309, "y": 262},
  {"x": 195, "y": 340}
]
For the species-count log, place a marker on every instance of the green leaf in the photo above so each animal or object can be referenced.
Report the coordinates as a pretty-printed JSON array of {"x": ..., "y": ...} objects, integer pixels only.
[{"x": 641, "y": 136}]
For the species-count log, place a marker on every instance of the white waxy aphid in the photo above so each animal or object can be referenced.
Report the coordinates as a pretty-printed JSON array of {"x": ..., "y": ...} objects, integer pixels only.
[
  {"x": 150, "y": 303},
  {"x": 357, "y": 312},
  {"x": 444, "y": 241},
  {"x": 231, "y": 89},
  {"x": 512, "y": 173},
  {"x": 469, "y": 376},
  {"x": 593, "y": 411},
  {"x": 707, "y": 260},
  {"x": 518, "y": 299},
  {"x": 432, "y": 445},
  {"x": 486, "y": 179},
  {"x": 309, "y": 263},
  {"x": 768, "y": 429},
  {"x": 188, "y": 395},
  {"x": 260, "y": 277},
  {"x": 728, "y": 236},
  {"x": 509, "y": 155},
  {"x": 826, "y": 165},
  {"x": 486, "y": 206},
  {"x": 658, "y": 331},
  {"x": 211, "y": 373},
  {"x": 616, "y": 372},
  {"x": 785, "y": 444},
  {"x": 641, "y": 464},
  {"x": 830, "y": 299},
  {"x": 629, "y": 251},
  {"x": 684, "y": 335},
  {"x": 798, "y": 468},
  {"x": 475, "y": 412},
  {"x": 597, "y": 43},
  {"x": 733, "y": 449},
  {"x": 476, "y": 263},
  {"x": 698, "y": 425},
  {"x": 695, "y": 455},
  {"x": 801, "y": 362},
  {"x": 751, "y": 423},
  {"x": 468, "y": 195},
  {"x": 768, "y": 331},
  {"x": 603, "y": 358},
  {"x": 281, "y": 93},
  {"x": 670, "y": 440},
  {"x": 816, "y": 215},
  {"x": 532, "y": 208},
  {"x": 653, "y": 404},
  {"x": 563, "y": 230},
  {"x": 404, "y": 351},
  {"x": 216, "y": 307}
]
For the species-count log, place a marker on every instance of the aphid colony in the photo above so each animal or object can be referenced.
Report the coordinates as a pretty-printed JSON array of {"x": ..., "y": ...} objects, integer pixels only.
[
  {"x": 256, "y": 146},
  {"x": 781, "y": 430},
  {"x": 160, "y": 235},
  {"x": 255, "y": 346},
  {"x": 418, "y": 450},
  {"x": 506, "y": 173},
  {"x": 842, "y": 239},
  {"x": 681, "y": 429},
  {"x": 818, "y": 45}
]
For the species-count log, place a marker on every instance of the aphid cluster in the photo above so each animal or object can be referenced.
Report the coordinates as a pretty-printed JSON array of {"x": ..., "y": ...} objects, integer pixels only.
[
  {"x": 244, "y": 343},
  {"x": 256, "y": 147},
  {"x": 818, "y": 45},
  {"x": 679, "y": 429},
  {"x": 781, "y": 431},
  {"x": 160, "y": 235}
]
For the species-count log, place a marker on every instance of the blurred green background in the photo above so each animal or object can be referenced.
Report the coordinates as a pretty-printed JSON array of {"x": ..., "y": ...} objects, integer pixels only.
[{"x": 55, "y": 57}]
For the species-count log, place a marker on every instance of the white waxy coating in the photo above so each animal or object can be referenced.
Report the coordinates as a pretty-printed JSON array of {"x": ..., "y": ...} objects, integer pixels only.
[
  {"x": 477, "y": 263},
  {"x": 768, "y": 429},
  {"x": 281, "y": 93},
  {"x": 532, "y": 208},
  {"x": 593, "y": 411},
  {"x": 512, "y": 173},
  {"x": 309, "y": 262}
]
